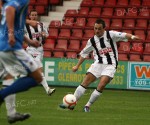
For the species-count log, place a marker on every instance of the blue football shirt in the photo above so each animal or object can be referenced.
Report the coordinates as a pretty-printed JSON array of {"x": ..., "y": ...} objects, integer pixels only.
[{"x": 20, "y": 18}]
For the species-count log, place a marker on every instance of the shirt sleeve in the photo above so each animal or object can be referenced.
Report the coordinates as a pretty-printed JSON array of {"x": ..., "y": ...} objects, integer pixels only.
[
  {"x": 118, "y": 36},
  {"x": 45, "y": 29},
  {"x": 86, "y": 51}
]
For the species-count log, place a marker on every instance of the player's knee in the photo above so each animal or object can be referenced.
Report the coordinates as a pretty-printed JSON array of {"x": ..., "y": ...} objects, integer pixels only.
[{"x": 37, "y": 76}]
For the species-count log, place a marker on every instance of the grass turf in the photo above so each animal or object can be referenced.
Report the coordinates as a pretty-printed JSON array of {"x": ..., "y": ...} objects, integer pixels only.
[{"x": 114, "y": 107}]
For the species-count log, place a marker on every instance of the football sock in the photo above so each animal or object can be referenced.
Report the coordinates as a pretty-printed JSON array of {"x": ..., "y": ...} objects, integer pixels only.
[
  {"x": 44, "y": 83},
  {"x": 94, "y": 96},
  {"x": 21, "y": 84},
  {"x": 80, "y": 90},
  {"x": 10, "y": 100}
]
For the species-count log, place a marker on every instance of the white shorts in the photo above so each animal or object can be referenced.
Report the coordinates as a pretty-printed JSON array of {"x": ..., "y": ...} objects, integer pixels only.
[
  {"x": 16, "y": 63},
  {"x": 99, "y": 70},
  {"x": 36, "y": 54}
]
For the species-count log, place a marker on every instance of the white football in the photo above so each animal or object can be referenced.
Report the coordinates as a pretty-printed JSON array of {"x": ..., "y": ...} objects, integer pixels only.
[{"x": 69, "y": 101}]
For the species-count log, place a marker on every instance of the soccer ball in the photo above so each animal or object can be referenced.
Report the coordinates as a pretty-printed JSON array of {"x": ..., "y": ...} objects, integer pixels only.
[{"x": 69, "y": 101}]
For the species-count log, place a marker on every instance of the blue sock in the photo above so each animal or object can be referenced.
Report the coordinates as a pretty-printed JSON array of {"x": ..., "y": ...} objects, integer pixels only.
[{"x": 20, "y": 85}]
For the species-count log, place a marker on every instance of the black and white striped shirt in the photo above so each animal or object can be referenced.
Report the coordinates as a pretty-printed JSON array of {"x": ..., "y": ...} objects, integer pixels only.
[{"x": 104, "y": 48}]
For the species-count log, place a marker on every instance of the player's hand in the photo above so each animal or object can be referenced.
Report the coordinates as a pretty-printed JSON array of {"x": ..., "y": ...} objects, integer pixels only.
[
  {"x": 11, "y": 39},
  {"x": 75, "y": 68},
  {"x": 35, "y": 43}
]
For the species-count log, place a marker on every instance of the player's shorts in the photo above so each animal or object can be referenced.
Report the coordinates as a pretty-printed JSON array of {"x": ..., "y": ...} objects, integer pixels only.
[
  {"x": 99, "y": 70},
  {"x": 16, "y": 63},
  {"x": 37, "y": 54}
]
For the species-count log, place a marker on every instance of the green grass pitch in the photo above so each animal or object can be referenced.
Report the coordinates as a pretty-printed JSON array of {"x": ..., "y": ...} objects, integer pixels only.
[{"x": 114, "y": 107}]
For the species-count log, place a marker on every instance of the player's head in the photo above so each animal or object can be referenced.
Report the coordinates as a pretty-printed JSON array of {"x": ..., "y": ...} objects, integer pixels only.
[
  {"x": 99, "y": 27},
  {"x": 33, "y": 15}
]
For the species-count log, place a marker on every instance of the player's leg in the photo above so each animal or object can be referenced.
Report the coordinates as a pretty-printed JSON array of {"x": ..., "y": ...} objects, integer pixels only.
[
  {"x": 23, "y": 64},
  {"x": 106, "y": 76}
]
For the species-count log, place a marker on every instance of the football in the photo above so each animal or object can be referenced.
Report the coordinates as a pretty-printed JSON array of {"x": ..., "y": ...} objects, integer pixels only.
[{"x": 69, "y": 101}]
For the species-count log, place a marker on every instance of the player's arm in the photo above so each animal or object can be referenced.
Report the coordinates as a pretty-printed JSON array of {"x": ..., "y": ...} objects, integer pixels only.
[
  {"x": 32, "y": 23},
  {"x": 83, "y": 54},
  {"x": 33, "y": 43},
  {"x": 132, "y": 37},
  {"x": 10, "y": 17}
]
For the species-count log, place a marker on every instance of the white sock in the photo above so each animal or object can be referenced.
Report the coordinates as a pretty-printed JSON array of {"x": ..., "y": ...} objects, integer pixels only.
[
  {"x": 10, "y": 100},
  {"x": 44, "y": 83},
  {"x": 94, "y": 96},
  {"x": 80, "y": 90}
]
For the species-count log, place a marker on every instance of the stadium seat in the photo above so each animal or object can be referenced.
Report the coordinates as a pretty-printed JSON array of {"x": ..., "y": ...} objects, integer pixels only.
[
  {"x": 148, "y": 36},
  {"x": 32, "y": 2},
  {"x": 62, "y": 44},
  {"x": 55, "y": 24},
  {"x": 141, "y": 23},
  {"x": 86, "y": 3},
  {"x": 54, "y": 2},
  {"x": 83, "y": 12},
  {"x": 41, "y": 9},
  {"x": 71, "y": 13},
  {"x": 58, "y": 54},
  {"x": 71, "y": 55},
  {"x": 47, "y": 54},
  {"x": 64, "y": 33},
  {"x": 94, "y": 12},
  {"x": 68, "y": 22},
  {"x": 80, "y": 23},
  {"x": 135, "y": 2},
  {"x": 76, "y": 34},
  {"x": 119, "y": 12},
  {"x": 132, "y": 12},
  {"x": 138, "y": 32},
  {"x": 146, "y": 3},
  {"x": 136, "y": 47},
  {"x": 135, "y": 57},
  {"x": 83, "y": 44},
  {"x": 88, "y": 34},
  {"x": 127, "y": 31},
  {"x": 146, "y": 58},
  {"x": 98, "y": 3},
  {"x": 107, "y": 12},
  {"x": 30, "y": 7},
  {"x": 110, "y": 2},
  {"x": 142, "y": 36},
  {"x": 90, "y": 23},
  {"x": 144, "y": 13},
  {"x": 146, "y": 48},
  {"x": 129, "y": 23},
  {"x": 122, "y": 3},
  {"x": 124, "y": 47},
  {"x": 123, "y": 57},
  {"x": 42, "y": 2},
  {"x": 107, "y": 23},
  {"x": 49, "y": 44},
  {"x": 53, "y": 33},
  {"x": 74, "y": 45},
  {"x": 116, "y": 24}
]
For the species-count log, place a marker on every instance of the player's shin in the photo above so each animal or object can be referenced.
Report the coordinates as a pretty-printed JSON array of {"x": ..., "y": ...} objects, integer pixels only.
[{"x": 80, "y": 90}]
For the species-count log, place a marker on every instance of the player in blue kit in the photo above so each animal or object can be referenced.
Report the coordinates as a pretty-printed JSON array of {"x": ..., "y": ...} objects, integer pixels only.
[{"x": 13, "y": 58}]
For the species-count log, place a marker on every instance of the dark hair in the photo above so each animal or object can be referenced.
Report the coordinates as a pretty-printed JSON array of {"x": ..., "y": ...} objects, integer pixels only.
[
  {"x": 33, "y": 10},
  {"x": 100, "y": 21}
]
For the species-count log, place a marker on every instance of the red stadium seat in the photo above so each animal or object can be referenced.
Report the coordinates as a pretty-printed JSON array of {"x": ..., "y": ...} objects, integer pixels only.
[
  {"x": 88, "y": 34},
  {"x": 138, "y": 32},
  {"x": 122, "y": 2},
  {"x": 80, "y": 22},
  {"x": 144, "y": 12},
  {"x": 147, "y": 48},
  {"x": 55, "y": 23},
  {"x": 116, "y": 24},
  {"x": 119, "y": 12},
  {"x": 141, "y": 23},
  {"x": 90, "y": 23},
  {"x": 41, "y": 9},
  {"x": 107, "y": 23},
  {"x": 107, "y": 12},
  {"x": 58, "y": 54},
  {"x": 71, "y": 12},
  {"x": 83, "y": 12},
  {"x": 76, "y": 34},
  {"x": 127, "y": 31},
  {"x": 64, "y": 33},
  {"x": 42, "y": 2},
  {"x": 68, "y": 22},
  {"x": 124, "y": 47},
  {"x": 148, "y": 36},
  {"x": 123, "y": 57},
  {"x": 135, "y": 2},
  {"x": 136, "y": 47},
  {"x": 146, "y": 58},
  {"x": 98, "y": 3},
  {"x": 146, "y": 3},
  {"x": 95, "y": 12},
  {"x": 110, "y": 3},
  {"x": 47, "y": 54},
  {"x": 74, "y": 45},
  {"x": 129, "y": 23},
  {"x": 86, "y": 3},
  {"x": 54, "y": 2},
  {"x": 71, "y": 55},
  {"x": 135, "y": 57},
  {"x": 132, "y": 12},
  {"x": 49, "y": 44},
  {"x": 62, "y": 44},
  {"x": 83, "y": 44},
  {"x": 32, "y": 2},
  {"x": 53, "y": 33}
]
